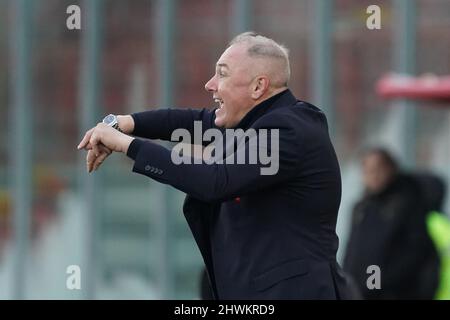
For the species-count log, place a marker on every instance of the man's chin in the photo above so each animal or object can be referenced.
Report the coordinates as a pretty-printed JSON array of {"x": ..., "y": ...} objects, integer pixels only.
[{"x": 219, "y": 122}]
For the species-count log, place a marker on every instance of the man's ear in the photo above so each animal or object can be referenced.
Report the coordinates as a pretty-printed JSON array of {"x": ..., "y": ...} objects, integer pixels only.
[{"x": 260, "y": 87}]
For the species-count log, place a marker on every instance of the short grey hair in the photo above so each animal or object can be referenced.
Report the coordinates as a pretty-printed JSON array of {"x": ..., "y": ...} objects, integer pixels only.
[{"x": 261, "y": 46}]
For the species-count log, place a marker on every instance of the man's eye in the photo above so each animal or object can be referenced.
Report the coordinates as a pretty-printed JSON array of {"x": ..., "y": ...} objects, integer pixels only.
[{"x": 220, "y": 73}]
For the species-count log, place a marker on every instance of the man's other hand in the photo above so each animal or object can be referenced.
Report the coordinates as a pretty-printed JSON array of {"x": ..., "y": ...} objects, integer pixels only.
[
  {"x": 93, "y": 162},
  {"x": 100, "y": 141}
]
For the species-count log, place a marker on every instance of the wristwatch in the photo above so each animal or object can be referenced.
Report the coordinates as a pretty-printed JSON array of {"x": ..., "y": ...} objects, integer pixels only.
[{"x": 111, "y": 120}]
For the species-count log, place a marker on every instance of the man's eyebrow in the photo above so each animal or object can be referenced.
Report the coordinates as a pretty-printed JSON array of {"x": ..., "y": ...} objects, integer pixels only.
[{"x": 222, "y": 65}]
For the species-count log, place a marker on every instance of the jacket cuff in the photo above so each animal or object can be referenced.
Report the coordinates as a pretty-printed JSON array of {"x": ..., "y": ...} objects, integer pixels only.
[
  {"x": 134, "y": 148},
  {"x": 154, "y": 161},
  {"x": 136, "y": 120}
]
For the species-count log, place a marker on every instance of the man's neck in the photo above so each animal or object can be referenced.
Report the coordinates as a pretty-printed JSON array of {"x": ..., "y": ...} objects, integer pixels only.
[{"x": 269, "y": 94}]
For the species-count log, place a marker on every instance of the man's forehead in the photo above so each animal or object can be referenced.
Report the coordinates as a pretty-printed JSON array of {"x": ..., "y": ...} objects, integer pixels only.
[{"x": 233, "y": 54}]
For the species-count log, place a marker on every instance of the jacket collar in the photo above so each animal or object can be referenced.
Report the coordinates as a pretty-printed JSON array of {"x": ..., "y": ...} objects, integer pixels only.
[{"x": 284, "y": 98}]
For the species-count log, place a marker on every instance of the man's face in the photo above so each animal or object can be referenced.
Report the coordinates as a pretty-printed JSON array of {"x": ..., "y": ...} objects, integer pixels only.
[
  {"x": 231, "y": 86},
  {"x": 376, "y": 173}
]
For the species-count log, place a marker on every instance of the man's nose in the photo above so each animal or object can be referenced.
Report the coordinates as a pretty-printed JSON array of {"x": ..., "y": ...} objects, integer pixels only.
[{"x": 211, "y": 85}]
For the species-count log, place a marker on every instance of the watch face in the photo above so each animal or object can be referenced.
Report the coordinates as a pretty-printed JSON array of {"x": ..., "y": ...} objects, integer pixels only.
[{"x": 109, "y": 119}]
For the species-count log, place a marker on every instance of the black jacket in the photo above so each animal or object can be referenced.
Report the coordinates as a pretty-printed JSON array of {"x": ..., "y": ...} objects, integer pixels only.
[
  {"x": 261, "y": 236},
  {"x": 389, "y": 230}
]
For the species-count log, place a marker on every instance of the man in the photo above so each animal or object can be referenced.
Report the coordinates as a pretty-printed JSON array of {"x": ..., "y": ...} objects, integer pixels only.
[
  {"x": 262, "y": 236},
  {"x": 388, "y": 230}
]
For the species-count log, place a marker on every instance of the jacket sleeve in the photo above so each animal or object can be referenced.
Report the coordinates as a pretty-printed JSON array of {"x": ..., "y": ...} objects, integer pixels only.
[
  {"x": 161, "y": 123},
  {"x": 221, "y": 181}
]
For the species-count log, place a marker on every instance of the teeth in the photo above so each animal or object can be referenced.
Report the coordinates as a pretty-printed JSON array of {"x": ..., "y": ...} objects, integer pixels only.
[{"x": 218, "y": 101}]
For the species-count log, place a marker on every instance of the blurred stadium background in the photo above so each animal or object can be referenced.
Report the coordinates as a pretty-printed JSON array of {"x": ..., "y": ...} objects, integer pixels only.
[{"x": 127, "y": 233}]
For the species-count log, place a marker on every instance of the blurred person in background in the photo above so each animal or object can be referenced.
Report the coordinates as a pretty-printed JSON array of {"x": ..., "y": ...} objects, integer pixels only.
[
  {"x": 389, "y": 230},
  {"x": 261, "y": 236}
]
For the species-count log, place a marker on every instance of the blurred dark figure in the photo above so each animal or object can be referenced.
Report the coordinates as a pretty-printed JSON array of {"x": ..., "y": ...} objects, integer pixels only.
[
  {"x": 389, "y": 230},
  {"x": 433, "y": 190}
]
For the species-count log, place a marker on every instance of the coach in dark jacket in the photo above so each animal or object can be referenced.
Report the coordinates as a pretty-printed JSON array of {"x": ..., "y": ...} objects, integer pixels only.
[{"x": 263, "y": 235}]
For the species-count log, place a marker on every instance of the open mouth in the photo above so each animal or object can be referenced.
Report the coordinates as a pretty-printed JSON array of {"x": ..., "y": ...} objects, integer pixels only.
[{"x": 219, "y": 102}]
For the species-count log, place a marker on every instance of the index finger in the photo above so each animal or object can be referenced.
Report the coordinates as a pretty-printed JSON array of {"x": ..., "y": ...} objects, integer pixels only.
[{"x": 86, "y": 139}]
